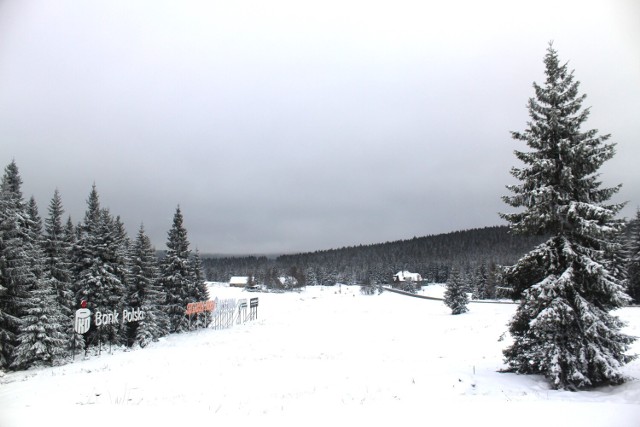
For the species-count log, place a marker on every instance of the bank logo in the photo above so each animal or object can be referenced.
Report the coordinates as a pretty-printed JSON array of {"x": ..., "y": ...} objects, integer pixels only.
[{"x": 83, "y": 320}]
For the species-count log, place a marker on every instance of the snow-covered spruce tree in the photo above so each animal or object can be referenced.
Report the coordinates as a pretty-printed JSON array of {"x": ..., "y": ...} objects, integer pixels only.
[
  {"x": 84, "y": 254},
  {"x": 43, "y": 332},
  {"x": 41, "y": 337},
  {"x": 99, "y": 268},
  {"x": 57, "y": 263},
  {"x": 633, "y": 267},
  {"x": 70, "y": 237},
  {"x": 17, "y": 251},
  {"x": 144, "y": 292},
  {"x": 112, "y": 253},
  {"x": 563, "y": 328},
  {"x": 176, "y": 276},
  {"x": 119, "y": 256},
  {"x": 369, "y": 287},
  {"x": 35, "y": 223},
  {"x": 455, "y": 297},
  {"x": 493, "y": 278},
  {"x": 85, "y": 264},
  {"x": 485, "y": 281}
]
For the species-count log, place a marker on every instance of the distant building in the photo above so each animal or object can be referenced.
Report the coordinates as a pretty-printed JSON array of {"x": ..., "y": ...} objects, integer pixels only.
[
  {"x": 239, "y": 281},
  {"x": 405, "y": 276}
]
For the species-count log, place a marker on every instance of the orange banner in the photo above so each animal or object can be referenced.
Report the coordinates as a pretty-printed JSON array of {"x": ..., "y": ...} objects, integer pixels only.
[{"x": 199, "y": 307}]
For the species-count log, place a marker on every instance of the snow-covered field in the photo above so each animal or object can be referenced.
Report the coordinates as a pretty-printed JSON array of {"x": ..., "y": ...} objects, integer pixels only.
[{"x": 325, "y": 354}]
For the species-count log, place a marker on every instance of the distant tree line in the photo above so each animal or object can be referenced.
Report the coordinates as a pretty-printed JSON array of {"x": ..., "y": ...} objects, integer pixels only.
[
  {"x": 476, "y": 254},
  {"x": 47, "y": 270}
]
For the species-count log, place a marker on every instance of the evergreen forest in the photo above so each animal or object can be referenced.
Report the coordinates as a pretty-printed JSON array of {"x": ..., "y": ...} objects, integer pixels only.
[
  {"x": 470, "y": 251},
  {"x": 50, "y": 271}
]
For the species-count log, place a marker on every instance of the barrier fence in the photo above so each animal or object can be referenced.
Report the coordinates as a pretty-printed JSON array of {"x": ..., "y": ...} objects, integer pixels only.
[{"x": 224, "y": 312}]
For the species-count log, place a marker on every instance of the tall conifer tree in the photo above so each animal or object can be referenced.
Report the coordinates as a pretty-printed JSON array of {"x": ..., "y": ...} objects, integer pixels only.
[
  {"x": 57, "y": 251},
  {"x": 43, "y": 336},
  {"x": 481, "y": 282},
  {"x": 35, "y": 222},
  {"x": 99, "y": 267},
  {"x": 86, "y": 265},
  {"x": 176, "y": 275},
  {"x": 145, "y": 292},
  {"x": 70, "y": 238},
  {"x": 113, "y": 254},
  {"x": 17, "y": 250},
  {"x": 563, "y": 328}
]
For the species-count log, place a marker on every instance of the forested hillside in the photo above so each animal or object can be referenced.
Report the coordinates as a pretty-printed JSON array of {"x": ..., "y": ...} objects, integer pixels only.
[{"x": 431, "y": 256}]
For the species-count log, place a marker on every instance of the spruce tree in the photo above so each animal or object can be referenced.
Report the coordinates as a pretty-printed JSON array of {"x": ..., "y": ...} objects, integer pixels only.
[
  {"x": 18, "y": 250},
  {"x": 43, "y": 333},
  {"x": 35, "y": 223},
  {"x": 119, "y": 260},
  {"x": 492, "y": 281},
  {"x": 455, "y": 296},
  {"x": 57, "y": 265},
  {"x": 34, "y": 241},
  {"x": 563, "y": 328},
  {"x": 41, "y": 337},
  {"x": 70, "y": 237},
  {"x": 86, "y": 263},
  {"x": 99, "y": 268},
  {"x": 111, "y": 253},
  {"x": 176, "y": 275},
  {"x": 144, "y": 292},
  {"x": 633, "y": 267},
  {"x": 480, "y": 282}
]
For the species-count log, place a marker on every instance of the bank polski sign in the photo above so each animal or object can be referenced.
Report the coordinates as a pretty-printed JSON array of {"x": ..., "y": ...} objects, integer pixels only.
[
  {"x": 112, "y": 317},
  {"x": 83, "y": 318}
]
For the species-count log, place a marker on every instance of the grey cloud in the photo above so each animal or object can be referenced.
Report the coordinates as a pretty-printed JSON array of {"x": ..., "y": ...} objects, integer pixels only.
[{"x": 288, "y": 127}]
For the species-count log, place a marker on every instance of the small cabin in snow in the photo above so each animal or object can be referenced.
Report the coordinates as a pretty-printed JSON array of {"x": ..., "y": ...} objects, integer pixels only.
[
  {"x": 405, "y": 276},
  {"x": 239, "y": 281}
]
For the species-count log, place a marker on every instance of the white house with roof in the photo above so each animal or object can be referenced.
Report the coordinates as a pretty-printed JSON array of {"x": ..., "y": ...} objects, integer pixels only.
[
  {"x": 239, "y": 281},
  {"x": 406, "y": 276}
]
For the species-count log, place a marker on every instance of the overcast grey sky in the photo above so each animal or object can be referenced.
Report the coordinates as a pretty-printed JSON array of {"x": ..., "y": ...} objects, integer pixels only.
[{"x": 284, "y": 126}]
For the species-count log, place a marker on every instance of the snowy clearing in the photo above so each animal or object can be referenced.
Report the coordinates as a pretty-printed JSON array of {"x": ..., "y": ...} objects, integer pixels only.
[{"x": 326, "y": 353}]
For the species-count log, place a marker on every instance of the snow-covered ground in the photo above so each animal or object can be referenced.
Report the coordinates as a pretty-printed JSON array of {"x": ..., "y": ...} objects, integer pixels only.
[{"x": 325, "y": 354}]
